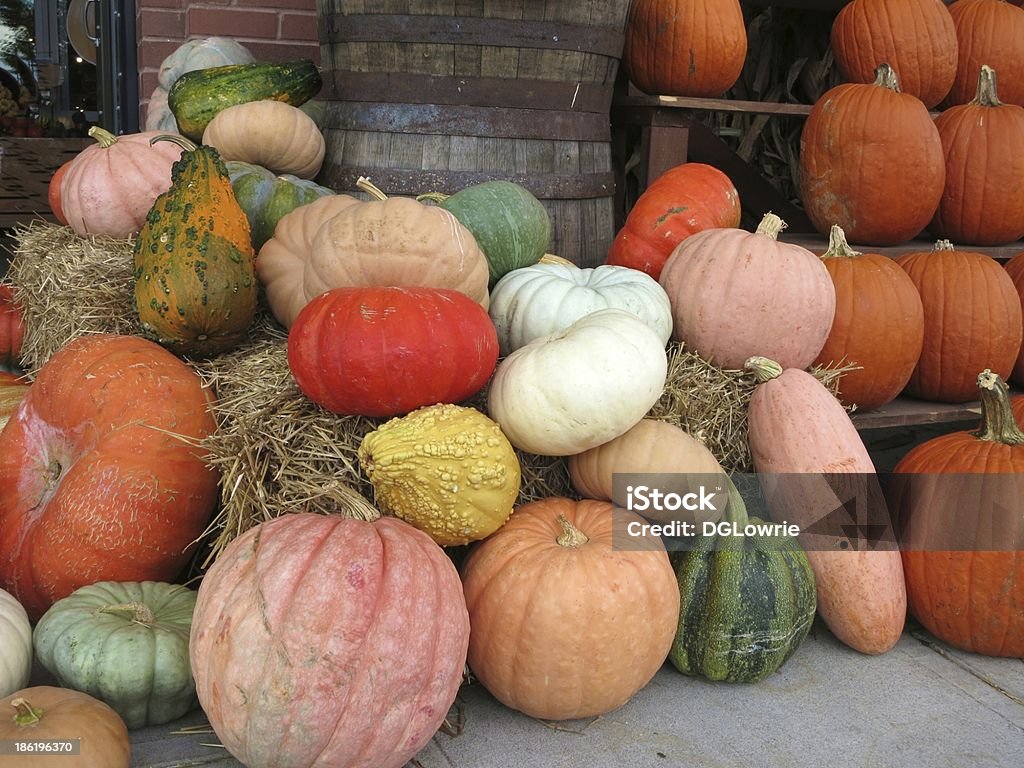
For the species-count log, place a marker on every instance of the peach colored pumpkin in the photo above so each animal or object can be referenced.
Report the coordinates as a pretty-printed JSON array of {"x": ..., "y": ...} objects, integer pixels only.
[
  {"x": 801, "y": 437},
  {"x": 108, "y": 188},
  {"x": 735, "y": 294},
  {"x": 564, "y": 624},
  {"x": 327, "y": 642}
]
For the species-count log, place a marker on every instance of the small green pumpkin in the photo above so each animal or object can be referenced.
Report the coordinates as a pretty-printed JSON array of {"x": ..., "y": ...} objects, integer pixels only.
[
  {"x": 195, "y": 275},
  {"x": 510, "y": 225},
  {"x": 125, "y": 643},
  {"x": 266, "y": 197},
  {"x": 747, "y": 602}
]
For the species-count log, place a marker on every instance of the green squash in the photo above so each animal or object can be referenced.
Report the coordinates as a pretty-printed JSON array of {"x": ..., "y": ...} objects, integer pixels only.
[
  {"x": 266, "y": 197},
  {"x": 125, "y": 643},
  {"x": 195, "y": 267},
  {"x": 747, "y": 603},
  {"x": 196, "y": 97},
  {"x": 510, "y": 225}
]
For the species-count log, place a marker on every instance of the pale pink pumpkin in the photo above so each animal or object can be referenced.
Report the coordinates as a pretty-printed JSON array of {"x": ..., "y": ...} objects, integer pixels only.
[
  {"x": 735, "y": 294},
  {"x": 800, "y": 434},
  {"x": 323, "y": 641}
]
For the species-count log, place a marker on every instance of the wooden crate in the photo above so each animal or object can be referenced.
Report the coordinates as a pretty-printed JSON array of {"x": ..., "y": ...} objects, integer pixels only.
[{"x": 26, "y": 166}]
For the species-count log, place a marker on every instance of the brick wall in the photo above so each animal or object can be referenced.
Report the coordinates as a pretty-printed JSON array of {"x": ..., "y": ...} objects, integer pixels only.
[{"x": 274, "y": 30}]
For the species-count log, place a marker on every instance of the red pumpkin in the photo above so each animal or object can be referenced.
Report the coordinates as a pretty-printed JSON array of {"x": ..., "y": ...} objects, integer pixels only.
[
  {"x": 958, "y": 499},
  {"x": 109, "y": 187},
  {"x": 878, "y": 326},
  {"x": 100, "y": 475},
  {"x": 988, "y": 32},
  {"x": 916, "y": 37},
  {"x": 325, "y": 641},
  {"x": 12, "y": 327},
  {"x": 53, "y": 192},
  {"x": 685, "y": 47},
  {"x": 387, "y": 350},
  {"x": 682, "y": 201},
  {"x": 972, "y": 321},
  {"x": 983, "y": 200},
  {"x": 1015, "y": 268},
  {"x": 871, "y": 161}
]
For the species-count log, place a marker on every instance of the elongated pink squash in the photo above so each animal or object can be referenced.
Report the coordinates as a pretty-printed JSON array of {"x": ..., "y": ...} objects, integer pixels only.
[
  {"x": 327, "y": 642},
  {"x": 800, "y": 434}
]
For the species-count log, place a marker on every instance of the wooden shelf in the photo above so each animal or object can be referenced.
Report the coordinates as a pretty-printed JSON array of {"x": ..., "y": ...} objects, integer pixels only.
[
  {"x": 906, "y": 412},
  {"x": 819, "y": 243}
]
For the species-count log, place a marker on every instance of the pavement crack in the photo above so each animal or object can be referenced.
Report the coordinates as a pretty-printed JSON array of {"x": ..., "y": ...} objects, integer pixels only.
[{"x": 934, "y": 646}]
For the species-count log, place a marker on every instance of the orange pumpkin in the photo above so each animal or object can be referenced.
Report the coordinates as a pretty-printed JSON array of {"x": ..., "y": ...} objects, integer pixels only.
[
  {"x": 1015, "y": 268},
  {"x": 564, "y": 625},
  {"x": 878, "y": 326},
  {"x": 916, "y": 37},
  {"x": 988, "y": 32},
  {"x": 12, "y": 327},
  {"x": 685, "y": 47},
  {"x": 972, "y": 321},
  {"x": 983, "y": 200},
  {"x": 871, "y": 161}
]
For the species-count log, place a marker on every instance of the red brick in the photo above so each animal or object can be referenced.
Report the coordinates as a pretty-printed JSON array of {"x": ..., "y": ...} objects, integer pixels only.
[
  {"x": 147, "y": 83},
  {"x": 232, "y": 22},
  {"x": 179, "y": 4},
  {"x": 301, "y": 27},
  {"x": 283, "y": 50},
  {"x": 153, "y": 52},
  {"x": 161, "y": 23},
  {"x": 291, "y": 5}
]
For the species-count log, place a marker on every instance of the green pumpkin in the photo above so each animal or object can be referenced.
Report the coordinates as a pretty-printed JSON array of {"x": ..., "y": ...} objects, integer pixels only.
[
  {"x": 266, "y": 197},
  {"x": 125, "y": 643},
  {"x": 510, "y": 225},
  {"x": 747, "y": 603}
]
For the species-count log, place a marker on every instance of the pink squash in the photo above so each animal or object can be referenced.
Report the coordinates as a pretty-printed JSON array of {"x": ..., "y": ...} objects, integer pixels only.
[
  {"x": 326, "y": 641},
  {"x": 802, "y": 443},
  {"x": 735, "y": 294}
]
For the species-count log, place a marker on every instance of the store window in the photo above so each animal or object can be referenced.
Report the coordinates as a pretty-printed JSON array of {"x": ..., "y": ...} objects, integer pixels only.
[{"x": 66, "y": 65}]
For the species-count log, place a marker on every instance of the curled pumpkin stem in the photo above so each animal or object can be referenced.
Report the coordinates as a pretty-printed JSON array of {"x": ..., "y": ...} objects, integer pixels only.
[
  {"x": 998, "y": 424},
  {"x": 25, "y": 713},
  {"x": 103, "y": 137},
  {"x": 571, "y": 535},
  {"x": 187, "y": 144},
  {"x": 763, "y": 368},
  {"x": 838, "y": 247},
  {"x": 137, "y": 613},
  {"x": 370, "y": 188}
]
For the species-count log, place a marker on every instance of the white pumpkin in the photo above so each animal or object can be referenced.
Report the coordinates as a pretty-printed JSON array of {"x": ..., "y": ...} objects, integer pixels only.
[
  {"x": 201, "y": 53},
  {"x": 15, "y": 645},
  {"x": 540, "y": 299},
  {"x": 580, "y": 387}
]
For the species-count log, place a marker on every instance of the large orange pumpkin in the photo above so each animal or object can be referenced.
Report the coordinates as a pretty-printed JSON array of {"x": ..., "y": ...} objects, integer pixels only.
[
  {"x": 685, "y": 47},
  {"x": 566, "y": 625},
  {"x": 100, "y": 475},
  {"x": 682, "y": 201},
  {"x": 878, "y": 326},
  {"x": 871, "y": 161},
  {"x": 988, "y": 32},
  {"x": 958, "y": 498},
  {"x": 916, "y": 37},
  {"x": 983, "y": 200},
  {"x": 1015, "y": 268},
  {"x": 972, "y": 321}
]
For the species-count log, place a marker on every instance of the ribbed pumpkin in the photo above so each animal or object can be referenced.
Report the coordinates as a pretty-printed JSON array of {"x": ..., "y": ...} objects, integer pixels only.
[
  {"x": 735, "y": 294},
  {"x": 958, "y": 500},
  {"x": 871, "y": 161},
  {"x": 446, "y": 469},
  {"x": 983, "y": 200},
  {"x": 685, "y": 47},
  {"x": 109, "y": 188},
  {"x": 266, "y": 197},
  {"x": 319, "y": 640},
  {"x": 879, "y": 324},
  {"x": 988, "y": 32},
  {"x": 387, "y": 350},
  {"x": 972, "y": 321},
  {"x": 195, "y": 276},
  {"x": 684, "y": 200},
  {"x": 650, "y": 447},
  {"x": 12, "y": 327},
  {"x": 15, "y": 645},
  {"x": 803, "y": 444},
  {"x": 53, "y": 192},
  {"x": 1015, "y": 269},
  {"x": 916, "y": 37},
  {"x": 747, "y": 602},
  {"x": 566, "y": 625}
]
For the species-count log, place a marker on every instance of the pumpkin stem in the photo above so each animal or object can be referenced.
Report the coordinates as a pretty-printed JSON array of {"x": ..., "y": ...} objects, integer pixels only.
[
  {"x": 943, "y": 245},
  {"x": 103, "y": 137},
  {"x": 763, "y": 368},
  {"x": 25, "y": 713},
  {"x": 838, "y": 247},
  {"x": 370, "y": 188},
  {"x": 997, "y": 422},
  {"x": 433, "y": 197},
  {"x": 187, "y": 144},
  {"x": 771, "y": 225},
  {"x": 986, "y": 95},
  {"x": 137, "y": 613},
  {"x": 571, "y": 535},
  {"x": 550, "y": 258},
  {"x": 885, "y": 76},
  {"x": 736, "y": 512}
]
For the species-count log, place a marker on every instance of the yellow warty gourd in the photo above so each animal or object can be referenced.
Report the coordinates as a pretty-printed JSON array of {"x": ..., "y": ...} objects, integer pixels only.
[{"x": 445, "y": 469}]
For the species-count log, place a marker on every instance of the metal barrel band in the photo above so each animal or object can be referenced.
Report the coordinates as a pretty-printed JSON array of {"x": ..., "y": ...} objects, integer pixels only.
[{"x": 471, "y": 30}]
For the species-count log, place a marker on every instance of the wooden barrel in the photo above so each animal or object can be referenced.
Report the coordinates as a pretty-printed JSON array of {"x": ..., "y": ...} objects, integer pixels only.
[{"x": 436, "y": 96}]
